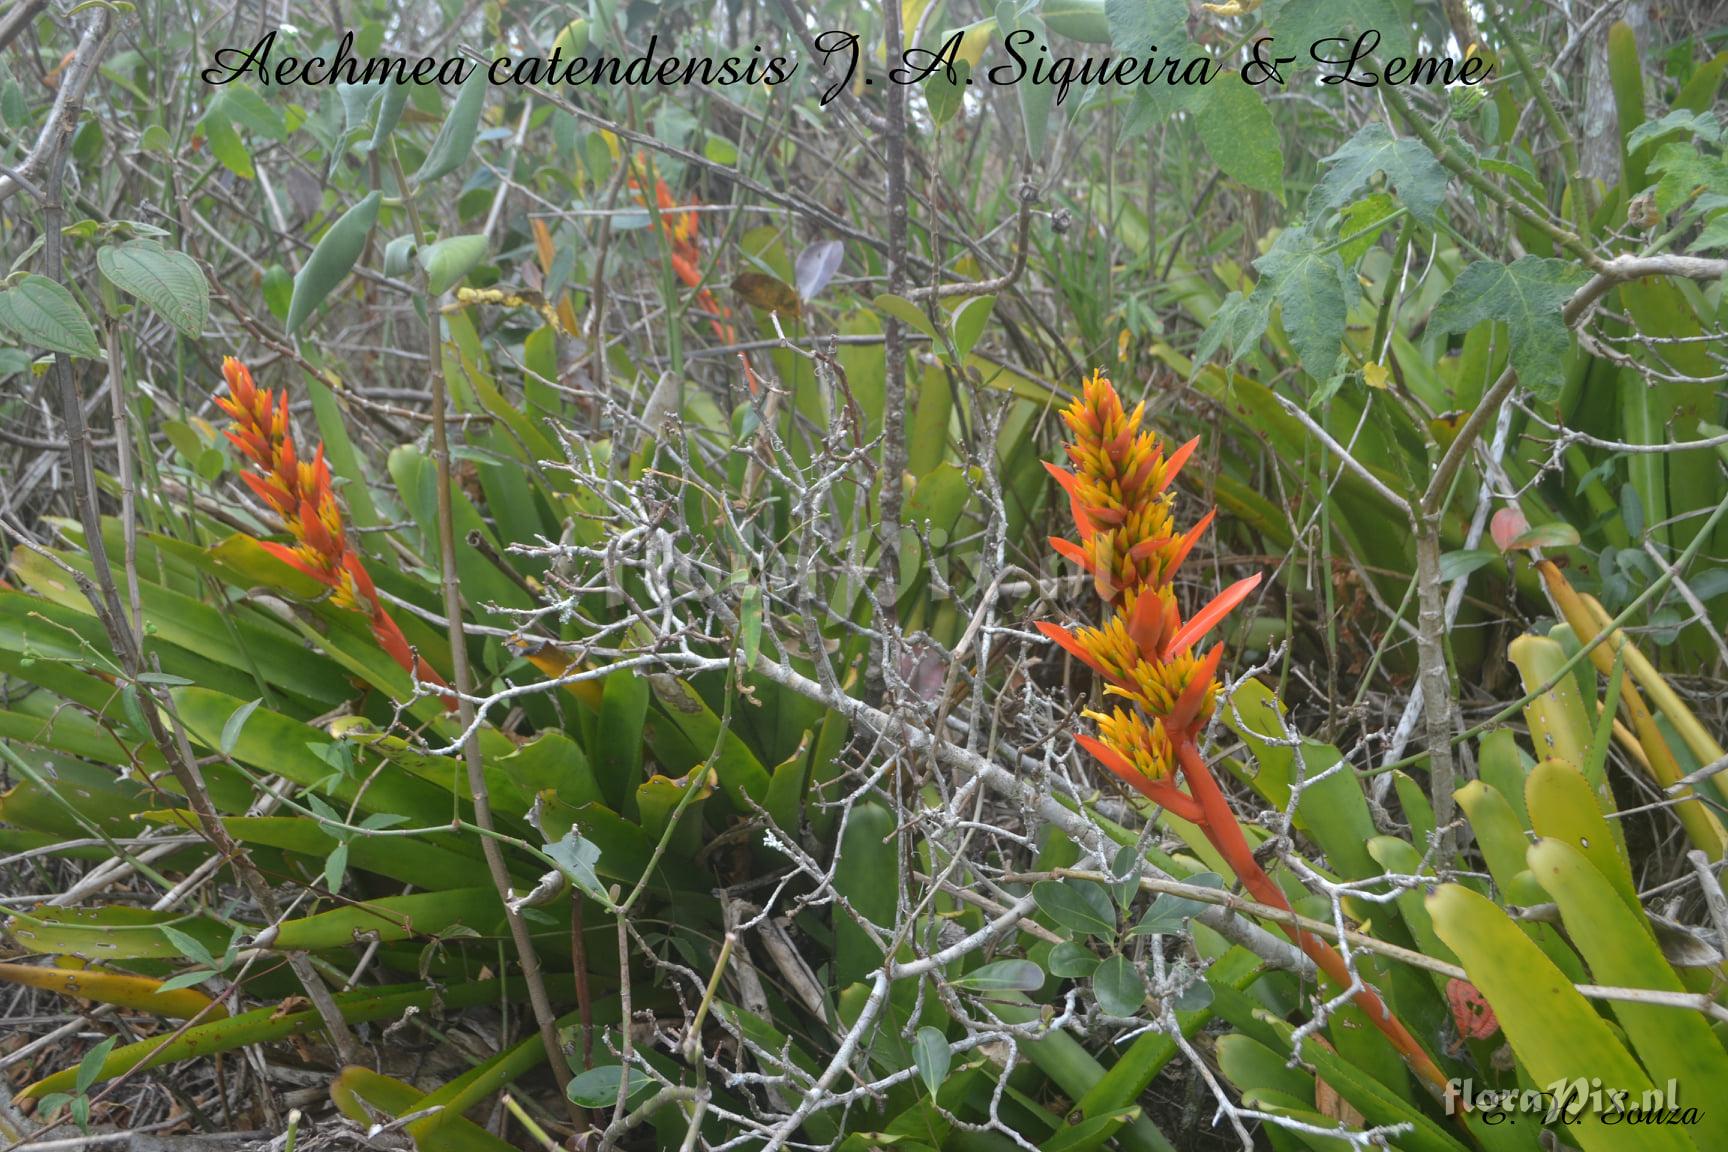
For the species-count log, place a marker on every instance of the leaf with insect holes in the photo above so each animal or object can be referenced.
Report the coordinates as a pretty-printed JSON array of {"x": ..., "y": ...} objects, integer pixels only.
[
  {"x": 1527, "y": 295},
  {"x": 931, "y": 1053}
]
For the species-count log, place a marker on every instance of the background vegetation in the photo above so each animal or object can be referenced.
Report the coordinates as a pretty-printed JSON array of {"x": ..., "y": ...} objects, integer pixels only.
[{"x": 641, "y": 739}]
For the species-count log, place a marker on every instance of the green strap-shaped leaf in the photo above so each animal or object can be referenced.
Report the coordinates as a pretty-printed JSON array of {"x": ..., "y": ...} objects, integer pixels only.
[
  {"x": 1673, "y": 1043},
  {"x": 1555, "y": 1033}
]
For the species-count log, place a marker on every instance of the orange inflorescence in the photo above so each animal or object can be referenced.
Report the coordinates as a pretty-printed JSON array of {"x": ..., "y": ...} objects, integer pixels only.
[
  {"x": 1145, "y": 653},
  {"x": 300, "y": 492},
  {"x": 1124, "y": 513},
  {"x": 678, "y": 223}
]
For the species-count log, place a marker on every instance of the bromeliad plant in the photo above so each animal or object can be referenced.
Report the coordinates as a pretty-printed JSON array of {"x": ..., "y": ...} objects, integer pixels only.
[{"x": 1146, "y": 653}]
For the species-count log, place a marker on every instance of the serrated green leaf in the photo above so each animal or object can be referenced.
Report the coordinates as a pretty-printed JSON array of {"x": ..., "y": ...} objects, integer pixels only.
[
  {"x": 1410, "y": 168},
  {"x": 1527, "y": 296},
  {"x": 1314, "y": 292},
  {"x": 1236, "y": 128}
]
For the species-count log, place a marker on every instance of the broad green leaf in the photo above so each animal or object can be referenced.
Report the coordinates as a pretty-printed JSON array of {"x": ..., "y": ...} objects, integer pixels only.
[
  {"x": 1069, "y": 960},
  {"x": 245, "y": 107},
  {"x": 932, "y": 1055},
  {"x": 968, "y": 322},
  {"x": 1136, "y": 28},
  {"x": 1237, "y": 129},
  {"x": 1119, "y": 987},
  {"x": 1361, "y": 223},
  {"x": 576, "y": 858},
  {"x": 1333, "y": 25},
  {"x": 170, "y": 282},
  {"x": 449, "y": 260},
  {"x": 227, "y": 147},
  {"x": 1685, "y": 173},
  {"x": 1236, "y": 326},
  {"x": 1459, "y": 564},
  {"x": 598, "y": 1087},
  {"x": 906, "y": 312},
  {"x": 90, "y": 1068},
  {"x": 1681, "y": 121},
  {"x": 1077, "y": 905},
  {"x": 1167, "y": 916},
  {"x": 1314, "y": 292},
  {"x": 1409, "y": 167},
  {"x": 389, "y": 113},
  {"x": 1672, "y": 1043},
  {"x": 1527, "y": 296},
  {"x": 41, "y": 312},
  {"x": 332, "y": 259}
]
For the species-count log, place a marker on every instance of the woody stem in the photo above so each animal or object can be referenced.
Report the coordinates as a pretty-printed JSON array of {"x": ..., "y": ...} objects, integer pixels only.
[{"x": 1222, "y": 829}]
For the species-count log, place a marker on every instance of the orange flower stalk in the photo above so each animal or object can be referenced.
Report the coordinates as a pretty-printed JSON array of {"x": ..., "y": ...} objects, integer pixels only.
[
  {"x": 679, "y": 226},
  {"x": 299, "y": 491},
  {"x": 1145, "y": 652}
]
